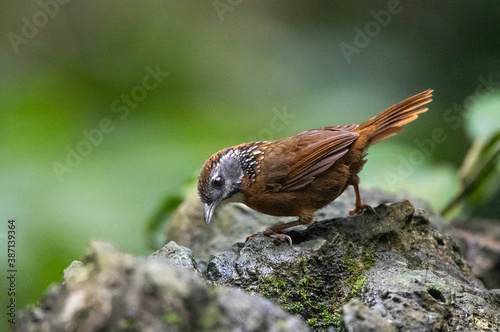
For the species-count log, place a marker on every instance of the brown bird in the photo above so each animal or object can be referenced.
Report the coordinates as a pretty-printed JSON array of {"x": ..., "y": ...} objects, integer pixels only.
[{"x": 300, "y": 174}]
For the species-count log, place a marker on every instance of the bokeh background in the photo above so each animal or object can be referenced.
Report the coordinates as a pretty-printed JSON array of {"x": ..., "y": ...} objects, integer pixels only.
[{"x": 74, "y": 80}]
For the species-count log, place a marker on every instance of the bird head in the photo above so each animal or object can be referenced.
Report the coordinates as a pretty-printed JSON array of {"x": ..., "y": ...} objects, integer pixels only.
[{"x": 220, "y": 181}]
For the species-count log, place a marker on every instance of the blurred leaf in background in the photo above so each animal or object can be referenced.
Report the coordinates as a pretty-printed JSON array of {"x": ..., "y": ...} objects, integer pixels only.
[
  {"x": 79, "y": 84},
  {"x": 479, "y": 174}
]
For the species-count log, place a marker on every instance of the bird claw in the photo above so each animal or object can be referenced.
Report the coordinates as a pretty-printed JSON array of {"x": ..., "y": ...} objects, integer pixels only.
[
  {"x": 281, "y": 237},
  {"x": 362, "y": 208},
  {"x": 271, "y": 234}
]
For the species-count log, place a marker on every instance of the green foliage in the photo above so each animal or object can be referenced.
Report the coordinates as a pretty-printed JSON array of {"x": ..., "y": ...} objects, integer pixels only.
[
  {"x": 483, "y": 118},
  {"x": 479, "y": 174},
  {"x": 156, "y": 227}
]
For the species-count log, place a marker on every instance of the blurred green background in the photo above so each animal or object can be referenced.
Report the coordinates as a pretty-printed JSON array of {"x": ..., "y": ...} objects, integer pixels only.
[{"x": 234, "y": 68}]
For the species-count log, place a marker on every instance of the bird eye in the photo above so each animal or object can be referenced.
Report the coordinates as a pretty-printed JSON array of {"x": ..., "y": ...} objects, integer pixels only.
[{"x": 218, "y": 182}]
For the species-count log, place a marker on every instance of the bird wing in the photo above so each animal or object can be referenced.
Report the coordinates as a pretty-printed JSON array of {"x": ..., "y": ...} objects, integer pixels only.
[{"x": 313, "y": 152}]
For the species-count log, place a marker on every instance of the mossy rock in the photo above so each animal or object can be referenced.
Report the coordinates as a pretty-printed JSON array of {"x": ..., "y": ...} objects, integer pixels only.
[{"x": 378, "y": 259}]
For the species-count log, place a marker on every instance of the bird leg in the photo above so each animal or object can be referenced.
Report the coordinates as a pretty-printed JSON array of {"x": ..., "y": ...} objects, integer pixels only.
[
  {"x": 360, "y": 206},
  {"x": 272, "y": 231}
]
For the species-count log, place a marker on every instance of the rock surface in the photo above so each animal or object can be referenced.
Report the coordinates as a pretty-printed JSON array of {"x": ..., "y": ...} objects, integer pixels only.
[
  {"x": 176, "y": 255},
  {"x": 390, "y": 271},
  {"x": 358, "y": 317},
  {"x": 407, "y": 274},
  {"x": 112, "y": 291},
  {"x": 479, "y": 242}
]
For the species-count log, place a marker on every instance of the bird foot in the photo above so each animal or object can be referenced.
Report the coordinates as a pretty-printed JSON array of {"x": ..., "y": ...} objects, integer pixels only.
[
  {"x": 273, "y": 235},
  {"x": 362, "y": 208},
  {"x": 281, "y": 237}
]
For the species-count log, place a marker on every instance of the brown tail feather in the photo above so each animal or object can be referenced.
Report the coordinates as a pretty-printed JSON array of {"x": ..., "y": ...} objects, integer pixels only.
[{"x": 392, "y": 120}]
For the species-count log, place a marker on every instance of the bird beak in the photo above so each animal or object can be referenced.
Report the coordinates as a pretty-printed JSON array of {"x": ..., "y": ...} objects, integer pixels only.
[{"x": 209, "y": 211}]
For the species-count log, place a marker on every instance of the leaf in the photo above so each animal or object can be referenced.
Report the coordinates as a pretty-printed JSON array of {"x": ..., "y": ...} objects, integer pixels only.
[{"x": 483, "y": 118}]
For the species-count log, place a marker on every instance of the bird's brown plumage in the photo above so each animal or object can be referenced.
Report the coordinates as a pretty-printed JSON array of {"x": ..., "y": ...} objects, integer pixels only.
[{"x": 300, "y": 174}]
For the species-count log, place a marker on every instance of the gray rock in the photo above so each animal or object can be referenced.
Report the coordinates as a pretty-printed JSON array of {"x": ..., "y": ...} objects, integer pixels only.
[
  {"x": 174, "y": 254},
  {"x": 390, "y": 271},
  {"x": 479, "y": 241},
  {"x": 112, "y": 291},
  {"x": 234, "y": 222},
  {"x": 429, "y": 301},
  {"x": 359, "y": 318},
  {"x": 73, "y": 271},
  {"x": 404, "y": 272}
]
